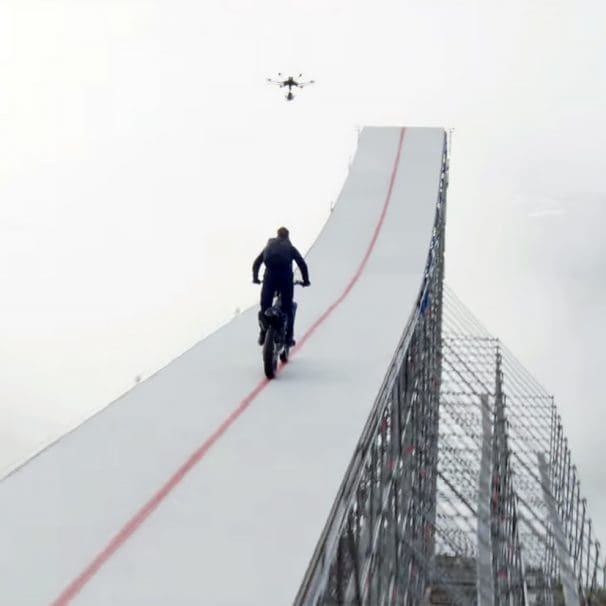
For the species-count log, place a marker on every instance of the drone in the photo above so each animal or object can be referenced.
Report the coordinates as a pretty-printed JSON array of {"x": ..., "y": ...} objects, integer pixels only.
[{"x": 290, "y": 82}]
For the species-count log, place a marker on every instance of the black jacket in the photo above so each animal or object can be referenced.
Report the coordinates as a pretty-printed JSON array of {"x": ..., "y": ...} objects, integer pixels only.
[{"x": 278, "y": 256}]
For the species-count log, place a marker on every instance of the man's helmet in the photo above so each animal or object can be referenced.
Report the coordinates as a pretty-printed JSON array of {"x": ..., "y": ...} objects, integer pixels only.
[{"x": 283, "y": 232}]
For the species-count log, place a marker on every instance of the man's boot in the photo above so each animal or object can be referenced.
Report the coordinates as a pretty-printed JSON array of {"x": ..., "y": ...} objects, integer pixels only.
[
  {"x": 289, "y": 333},
  {"x": 262, "y": 329}
]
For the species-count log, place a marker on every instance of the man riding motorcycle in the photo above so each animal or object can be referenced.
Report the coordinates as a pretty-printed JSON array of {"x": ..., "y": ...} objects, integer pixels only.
[{"x": 278, "y": 256}]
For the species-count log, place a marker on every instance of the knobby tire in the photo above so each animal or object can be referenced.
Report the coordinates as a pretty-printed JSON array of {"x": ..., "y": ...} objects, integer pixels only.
[{"x": 269, "y": 359}]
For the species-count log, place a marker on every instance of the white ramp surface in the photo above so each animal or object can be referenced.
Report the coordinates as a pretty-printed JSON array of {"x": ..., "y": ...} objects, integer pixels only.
[{"x": 207, "y": 484}]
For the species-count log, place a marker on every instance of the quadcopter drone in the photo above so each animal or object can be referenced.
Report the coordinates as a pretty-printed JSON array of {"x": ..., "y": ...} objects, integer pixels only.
[{"x": 290, "y": 82}]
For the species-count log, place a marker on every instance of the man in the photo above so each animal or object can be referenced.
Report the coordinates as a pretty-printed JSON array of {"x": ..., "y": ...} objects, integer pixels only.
[{"x": 278, "y": 256}]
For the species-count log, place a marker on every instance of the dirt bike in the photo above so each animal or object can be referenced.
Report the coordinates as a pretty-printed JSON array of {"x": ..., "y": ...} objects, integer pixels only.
[{"x": 276, "y": 326}]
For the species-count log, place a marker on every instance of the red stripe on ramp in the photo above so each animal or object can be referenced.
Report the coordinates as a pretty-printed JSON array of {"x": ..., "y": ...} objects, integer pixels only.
[{"x": 76, "y": 586}]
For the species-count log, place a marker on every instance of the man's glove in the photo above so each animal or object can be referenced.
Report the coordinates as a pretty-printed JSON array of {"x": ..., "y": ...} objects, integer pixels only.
[
  {"x": 306, "y": 283},
  {"x": 256, "y": 280}
]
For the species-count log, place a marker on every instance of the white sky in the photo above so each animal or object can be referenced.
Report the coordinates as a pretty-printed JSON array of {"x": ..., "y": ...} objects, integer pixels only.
[{"x": 144, "y": 161}]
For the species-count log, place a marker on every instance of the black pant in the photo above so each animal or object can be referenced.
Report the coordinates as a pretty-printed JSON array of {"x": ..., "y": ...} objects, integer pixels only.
[{"x": 281, "y": 282}]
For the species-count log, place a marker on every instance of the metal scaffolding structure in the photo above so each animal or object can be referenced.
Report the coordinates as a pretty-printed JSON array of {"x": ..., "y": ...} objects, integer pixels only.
[
  {"x": 543, "y": 550},
  {"x": 461, "y": 489}
]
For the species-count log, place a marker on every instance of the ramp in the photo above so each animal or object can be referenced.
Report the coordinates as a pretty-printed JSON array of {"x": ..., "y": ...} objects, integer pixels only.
[{"x": 207, "y": 484}]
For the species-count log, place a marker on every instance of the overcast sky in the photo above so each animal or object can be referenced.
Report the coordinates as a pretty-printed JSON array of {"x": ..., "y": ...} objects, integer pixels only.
[{"x": 144, "y": 161}]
